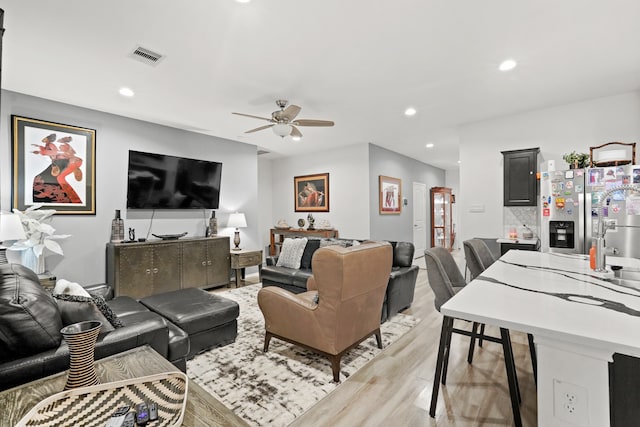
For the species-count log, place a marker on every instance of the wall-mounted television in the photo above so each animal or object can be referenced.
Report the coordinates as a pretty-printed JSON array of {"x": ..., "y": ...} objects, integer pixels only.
[{"x": 158, "y": 181}]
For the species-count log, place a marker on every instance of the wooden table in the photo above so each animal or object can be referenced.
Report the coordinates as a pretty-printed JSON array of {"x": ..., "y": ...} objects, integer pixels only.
[
  {"x": 296, "y": 232},
  {"x": 245, "y": 258},
  {"x": 578, "y": 318},
  {"x": 202, "y": 410}
]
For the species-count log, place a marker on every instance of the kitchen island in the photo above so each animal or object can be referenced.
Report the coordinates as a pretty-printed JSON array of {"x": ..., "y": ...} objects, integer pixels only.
[{"x": 579, "y": 319}]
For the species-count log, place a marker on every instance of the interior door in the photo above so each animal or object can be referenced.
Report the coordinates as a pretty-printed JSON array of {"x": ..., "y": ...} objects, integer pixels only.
[{"x": 419, "y": 218}]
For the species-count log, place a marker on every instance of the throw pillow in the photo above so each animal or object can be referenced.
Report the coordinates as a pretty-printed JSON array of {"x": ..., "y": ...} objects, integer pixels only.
[
  {"x": 76, "y": 304},
  {"x": 63, "y": 286},
  {"x": 309, "y": 250},
  {"x": 30, "y": 322},
  {"x": 291, "y": 253},
  {"x": 74, "y": 309}
]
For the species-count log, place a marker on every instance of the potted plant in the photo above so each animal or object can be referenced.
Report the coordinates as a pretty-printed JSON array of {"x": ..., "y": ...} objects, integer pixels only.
[
  {"x": 576, "y": 160},
  {"x": 40, "y": 236}
]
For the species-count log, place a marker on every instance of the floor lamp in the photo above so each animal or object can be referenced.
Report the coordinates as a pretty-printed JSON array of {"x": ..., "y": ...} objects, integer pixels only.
[
  {"x": 237, "y": 220},
  {"x": 10, "y": 229}
]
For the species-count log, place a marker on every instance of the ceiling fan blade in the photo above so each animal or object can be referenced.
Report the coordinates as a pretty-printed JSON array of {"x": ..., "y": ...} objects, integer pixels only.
[
  {"x": 260, "y": 128},
  {"x": 295, "y": 132},
  {"x": 307, "y": 122},
  {"x": 291, "y": 112},
  {"x": 254, "y": 117}
]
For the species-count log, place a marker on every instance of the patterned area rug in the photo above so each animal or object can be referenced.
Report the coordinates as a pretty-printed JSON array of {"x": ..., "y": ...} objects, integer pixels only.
[{"x": 274, "y": 388}]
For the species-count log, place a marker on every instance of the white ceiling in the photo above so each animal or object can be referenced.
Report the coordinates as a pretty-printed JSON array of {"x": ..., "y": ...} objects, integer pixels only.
[{"x": 359, "y": 63}]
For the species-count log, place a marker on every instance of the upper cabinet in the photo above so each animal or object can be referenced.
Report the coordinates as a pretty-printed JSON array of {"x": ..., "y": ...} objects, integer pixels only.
[{"x": 520, "y": 177}]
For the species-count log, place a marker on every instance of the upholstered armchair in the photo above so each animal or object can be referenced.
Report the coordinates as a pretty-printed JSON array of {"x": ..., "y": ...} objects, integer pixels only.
[{"x": 342, "y": 308}]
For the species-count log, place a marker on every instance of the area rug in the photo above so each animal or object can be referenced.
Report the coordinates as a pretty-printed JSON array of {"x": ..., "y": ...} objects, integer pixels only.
[{"x": 274, "y": 388}]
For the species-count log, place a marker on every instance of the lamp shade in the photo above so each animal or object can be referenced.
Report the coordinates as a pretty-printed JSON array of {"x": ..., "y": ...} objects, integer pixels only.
[
  {"x": 237, "y": 220},
  {"x": 11, "y": 227},
  {"x": 281, "y": 129}
]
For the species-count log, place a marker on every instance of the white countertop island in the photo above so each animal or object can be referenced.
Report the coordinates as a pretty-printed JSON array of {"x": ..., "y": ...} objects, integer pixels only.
[{"x": 578, "y": 318}]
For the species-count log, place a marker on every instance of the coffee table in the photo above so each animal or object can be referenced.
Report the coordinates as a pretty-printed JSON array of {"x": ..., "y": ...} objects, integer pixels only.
[{"x": 202, "y": 408}]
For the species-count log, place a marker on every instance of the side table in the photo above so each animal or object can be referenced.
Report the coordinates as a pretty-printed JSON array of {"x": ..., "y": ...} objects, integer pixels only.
[{"x": 245, "y": 258}]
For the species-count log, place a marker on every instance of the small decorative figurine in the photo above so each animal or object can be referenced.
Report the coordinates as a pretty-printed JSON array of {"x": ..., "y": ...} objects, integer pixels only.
[{"x": 311, "y": 220}]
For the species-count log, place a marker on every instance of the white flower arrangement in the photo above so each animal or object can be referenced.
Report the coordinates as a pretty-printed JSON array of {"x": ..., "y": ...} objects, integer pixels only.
[{"x": 39, "y": 232}]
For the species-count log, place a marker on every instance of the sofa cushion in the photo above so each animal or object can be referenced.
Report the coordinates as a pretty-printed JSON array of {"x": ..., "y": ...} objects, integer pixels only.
[
  {"x": 291, "y": 252},
  {"x": 29, "y": 318},
  {"x": 309, "y": 250}
]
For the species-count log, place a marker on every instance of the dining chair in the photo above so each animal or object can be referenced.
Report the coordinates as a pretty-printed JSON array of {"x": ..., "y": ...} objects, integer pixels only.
[
  {"x": 479, "y": 257},
  {"x": 446, "y": 280}
]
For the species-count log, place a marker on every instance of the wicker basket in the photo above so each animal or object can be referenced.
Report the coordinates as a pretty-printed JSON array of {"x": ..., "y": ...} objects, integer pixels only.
[{"x": 94, "y": 405}]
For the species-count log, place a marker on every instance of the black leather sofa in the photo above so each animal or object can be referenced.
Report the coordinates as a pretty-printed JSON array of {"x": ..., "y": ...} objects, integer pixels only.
[
  {"x": 400, "y": 289},
  {"x": 31, "y": 346}
]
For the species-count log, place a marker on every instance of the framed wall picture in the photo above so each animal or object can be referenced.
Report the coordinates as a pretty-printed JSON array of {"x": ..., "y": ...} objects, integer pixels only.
[
  {"x": 390, "y": 195},
  {"x": 53, "y": 164},
  {"x": 311, "y": 193}
]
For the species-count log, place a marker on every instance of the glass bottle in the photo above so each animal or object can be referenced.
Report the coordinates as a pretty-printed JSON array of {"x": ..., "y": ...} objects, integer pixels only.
[{"x": 117, "y": 228}]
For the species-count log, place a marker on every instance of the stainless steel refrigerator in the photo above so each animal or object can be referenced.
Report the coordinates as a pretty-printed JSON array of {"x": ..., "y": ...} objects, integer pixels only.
[
  {"x": 622, "y": 207},
  {"x": 563, "y": 211}
]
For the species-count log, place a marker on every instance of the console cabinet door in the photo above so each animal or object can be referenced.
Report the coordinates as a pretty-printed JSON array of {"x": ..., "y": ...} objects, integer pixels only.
[
  {"x": 134, "y": 274},
  {"x": 218, "y": 262},
  {"x": 166, "y": 268},
  {"x": 194, "y": 264}
]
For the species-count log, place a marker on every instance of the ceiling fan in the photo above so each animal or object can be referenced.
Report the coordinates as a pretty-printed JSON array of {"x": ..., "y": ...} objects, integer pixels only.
[{"x": 283, "y": 121}]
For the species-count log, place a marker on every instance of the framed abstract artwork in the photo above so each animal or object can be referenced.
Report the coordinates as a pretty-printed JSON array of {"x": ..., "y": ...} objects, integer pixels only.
[
  {"x": 390, "y": 195},
  {"x": 311, "y": 193},
  {"x": 53, "y": 165}
]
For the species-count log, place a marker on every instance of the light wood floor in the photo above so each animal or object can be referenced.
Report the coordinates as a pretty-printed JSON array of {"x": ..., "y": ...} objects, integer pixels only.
[{"x": 394, "y": 389}]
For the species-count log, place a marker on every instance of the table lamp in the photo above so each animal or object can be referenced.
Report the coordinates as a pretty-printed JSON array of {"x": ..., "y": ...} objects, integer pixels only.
[
  {"x": 237, "y": 220},
  {"x": 10, "y": 229}
]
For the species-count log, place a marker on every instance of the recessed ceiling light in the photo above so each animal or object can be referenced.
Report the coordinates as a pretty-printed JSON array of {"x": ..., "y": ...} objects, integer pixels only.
[
  {"x": 459, "y": 161},
  {"x": 410, "y": 111},
  {"x": 125, "y": 91},
  {"x": 296, "y": 138},
  {"x": 243, "y": 1},
  {"x": 429, "y": 145},
  {"x": 507, "y": 65}
]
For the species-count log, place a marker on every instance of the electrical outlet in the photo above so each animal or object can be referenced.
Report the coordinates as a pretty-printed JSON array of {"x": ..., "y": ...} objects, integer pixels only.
[{"x": 570, "y": 403}]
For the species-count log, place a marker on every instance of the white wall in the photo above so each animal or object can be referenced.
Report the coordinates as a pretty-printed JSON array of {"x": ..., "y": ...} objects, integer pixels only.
[
  {"x": 348, "y": 170},
  {"x": 84, "y": 259},
  {"x": 556, "y": 131},
  {"x": 265, "y": 201}
]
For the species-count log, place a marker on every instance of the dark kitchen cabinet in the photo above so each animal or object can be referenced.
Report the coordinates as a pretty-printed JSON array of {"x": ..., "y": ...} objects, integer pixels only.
[{"x": 520, "y": 177}]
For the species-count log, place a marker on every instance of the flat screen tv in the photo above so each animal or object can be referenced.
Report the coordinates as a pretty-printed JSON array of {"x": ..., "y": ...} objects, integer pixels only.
[{"x": 158, "y": 181}]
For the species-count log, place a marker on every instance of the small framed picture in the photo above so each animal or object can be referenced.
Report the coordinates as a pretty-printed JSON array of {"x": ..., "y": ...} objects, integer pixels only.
[
  {"x": 53, "y": 164},
  {"x": 390, "y": 195},
  {"x": 311, "y": 193}
]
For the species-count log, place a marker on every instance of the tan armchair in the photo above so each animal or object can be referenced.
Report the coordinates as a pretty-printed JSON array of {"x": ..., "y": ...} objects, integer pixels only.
[{"x": 340, "y": 309}]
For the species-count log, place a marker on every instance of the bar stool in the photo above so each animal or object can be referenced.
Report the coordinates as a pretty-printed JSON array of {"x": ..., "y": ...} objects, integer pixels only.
[{"x": 446, "y": 280}]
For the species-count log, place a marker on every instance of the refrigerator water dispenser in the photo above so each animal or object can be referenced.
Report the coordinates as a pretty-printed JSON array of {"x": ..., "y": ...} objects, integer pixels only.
[{"x": 561, "y": 234}]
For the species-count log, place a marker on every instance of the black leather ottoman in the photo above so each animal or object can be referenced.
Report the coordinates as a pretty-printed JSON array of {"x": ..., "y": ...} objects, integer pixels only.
[{"x": 210, "y": 320}]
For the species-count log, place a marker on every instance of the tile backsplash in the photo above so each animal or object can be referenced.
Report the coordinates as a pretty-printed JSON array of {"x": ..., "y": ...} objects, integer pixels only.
[{"x": 518, "y": 216}]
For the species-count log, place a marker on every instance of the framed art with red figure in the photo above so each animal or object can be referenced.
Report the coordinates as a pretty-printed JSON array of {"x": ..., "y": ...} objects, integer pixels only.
[
  {"x": 53, "y": 164},
  {"x": 311, "y": 193}
]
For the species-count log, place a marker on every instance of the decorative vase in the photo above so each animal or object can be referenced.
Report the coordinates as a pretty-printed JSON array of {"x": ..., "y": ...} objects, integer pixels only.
[
  {"x": 117, "y": 228},
  {"x": 81, "y": 338},
  {"x": 213, "y": 224},
  {"x": 29, "y": 259}
]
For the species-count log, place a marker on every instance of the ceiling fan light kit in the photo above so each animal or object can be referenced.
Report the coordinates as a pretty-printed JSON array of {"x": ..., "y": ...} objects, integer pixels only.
[
  {"x": 281, "y": 129},
  {"x": 283, "y": 121}
]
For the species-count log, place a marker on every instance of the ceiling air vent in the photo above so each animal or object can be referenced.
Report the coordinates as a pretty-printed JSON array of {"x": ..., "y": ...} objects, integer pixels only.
[
  {"x": 261, "y": 152},
  {"x": 146, "y": 56}
]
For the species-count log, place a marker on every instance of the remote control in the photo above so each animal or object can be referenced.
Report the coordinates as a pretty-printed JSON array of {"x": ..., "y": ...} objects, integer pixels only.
[
  {"x": 153, "y": 411},
  {"x": 129, "y": 419},
  {"x": 117, "y": 417},
  {"x": 142, "y": 414}
]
